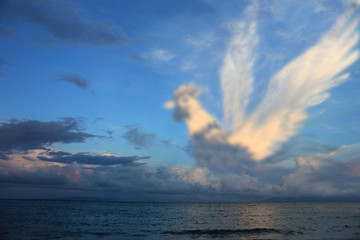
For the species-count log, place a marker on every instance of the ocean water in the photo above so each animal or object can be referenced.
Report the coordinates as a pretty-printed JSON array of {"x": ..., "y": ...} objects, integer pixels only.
[{"x": 33, "y": 219}]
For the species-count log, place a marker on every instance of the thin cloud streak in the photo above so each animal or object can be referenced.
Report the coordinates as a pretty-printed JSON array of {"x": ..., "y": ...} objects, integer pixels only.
[
  {"x": 74, "y": 78},
  {"x": 92, "y": 159}
]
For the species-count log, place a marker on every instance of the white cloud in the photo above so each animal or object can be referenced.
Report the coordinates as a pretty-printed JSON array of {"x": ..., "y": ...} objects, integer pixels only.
[
  {"x": 161, "y": 55},
  {"x": 201, "y": 41},
  {"x": 236, "y": 72},
  {"x": 188, "y": 65},
  {"x": 157, "y": 55},
  {"x": 302, "y": 83},
  {"x": 321, "y": 7}
]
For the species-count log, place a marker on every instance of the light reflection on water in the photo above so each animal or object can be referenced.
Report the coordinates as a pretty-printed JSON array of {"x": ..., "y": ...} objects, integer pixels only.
[{"x": 116, "y": 220}]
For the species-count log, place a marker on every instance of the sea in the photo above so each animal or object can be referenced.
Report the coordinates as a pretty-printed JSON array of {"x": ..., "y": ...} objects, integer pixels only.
[{"x": 44, "y": 219}]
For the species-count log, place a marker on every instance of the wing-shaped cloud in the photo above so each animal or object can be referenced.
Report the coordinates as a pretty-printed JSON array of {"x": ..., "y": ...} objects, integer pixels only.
[
  {"x": 302, "y": 83},
  {"x": 236, "y": 74}
]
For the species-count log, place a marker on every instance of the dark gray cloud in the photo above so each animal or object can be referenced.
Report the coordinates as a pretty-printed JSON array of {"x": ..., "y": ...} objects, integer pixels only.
[
  {"x": 88, "y": 158},
  {"x": 141, "y": 139},
  {"x": 74, "y": 78},
  {"x": 42, "y": 176},
  {"x": 138, "y": 137},
  {"x": 182, "y": 112},
  {"x": 62, "y": 21},
  {"x": 323, "y": 177},
  {"x": 219, "y": 155},
  {"x": 33, "y": 134}
]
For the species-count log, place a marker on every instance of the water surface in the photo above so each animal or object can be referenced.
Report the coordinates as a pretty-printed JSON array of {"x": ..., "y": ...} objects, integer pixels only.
[{"x": 33, "y": 219}]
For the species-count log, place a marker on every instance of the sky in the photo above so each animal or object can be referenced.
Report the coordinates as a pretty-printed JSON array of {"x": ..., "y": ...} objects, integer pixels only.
[{"x": 159, "y": 100}]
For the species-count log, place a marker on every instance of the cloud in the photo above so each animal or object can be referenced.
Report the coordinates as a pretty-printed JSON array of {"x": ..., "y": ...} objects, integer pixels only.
[
  {"x": 188, "y": 65},
  {"x": 211, "y": 148},
  {"x": 75, "y": 79},
  {"x": 170, "y": 142},
  {"x": 202, "y": 41},
  {"x": 291, "y": 167},
  {"x": 63, "y": 22},
  {"x": 139, "y": 138},
  {"x": 302, "y": 83},
  {"x": 97, "y": 120},
  {"x": 113, "y": 177},
  {"x": 161, "y": 55},
  {"x": 33, "y": 134},
  {"x": 120, "y": 175},
  {"x": 237, "y": 72},
  {"x": 328, "y": 175},
  {"x": 154, "y": 56},
  {"x": 4, "y": 156},
  {"x": 52, "y": 167},
  {"x": 187, "y": 107},
  {"x": 142, "y": 139},
  {"x": 110, "y": 133},
  {"x": 93, "y": 159},
  {"x": 300, "y": 145},
  {"x": 46, "y": 175}
]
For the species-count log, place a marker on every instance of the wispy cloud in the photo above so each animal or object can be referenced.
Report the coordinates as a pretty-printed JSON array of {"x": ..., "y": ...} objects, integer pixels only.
[
  {"x": 139, "y": 138},
  {"x": 74, "y": 78},
  {"x": 188, "y": 65},
  {"x": 161, "y": 55},
  {"x": 201, "y": 41},
  {"x": 63, "y": 22},
  {"x": 304, "y": 82},
  {"x": 154, "y": 56},
  {"x": 237, "y": 72}
]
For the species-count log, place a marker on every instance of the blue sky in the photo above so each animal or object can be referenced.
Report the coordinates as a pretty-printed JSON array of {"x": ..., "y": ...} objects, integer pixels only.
[{"x": 86, "y": 81}]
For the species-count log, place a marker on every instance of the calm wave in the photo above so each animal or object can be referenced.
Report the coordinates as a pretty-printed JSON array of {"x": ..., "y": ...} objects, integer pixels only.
[{"x": 30, "y": 219}]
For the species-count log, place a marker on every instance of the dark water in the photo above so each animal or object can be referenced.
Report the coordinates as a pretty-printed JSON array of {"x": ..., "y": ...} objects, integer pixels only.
[{"x": 20, "y": 219}]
